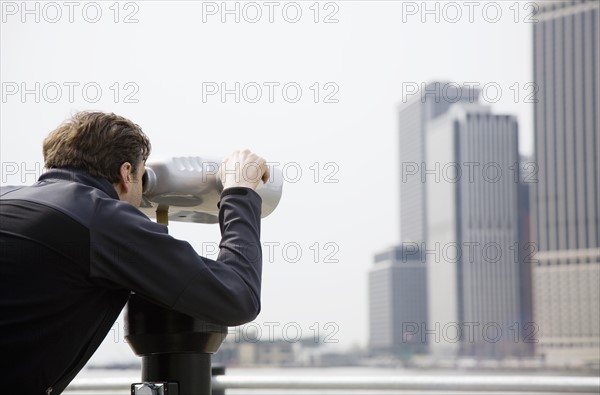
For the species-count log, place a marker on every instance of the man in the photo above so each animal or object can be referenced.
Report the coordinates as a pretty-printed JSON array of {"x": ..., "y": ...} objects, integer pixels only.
[{"x": 74, "y": 246}]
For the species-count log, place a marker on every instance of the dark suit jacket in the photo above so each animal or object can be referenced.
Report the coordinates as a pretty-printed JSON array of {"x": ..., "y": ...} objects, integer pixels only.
[{"x": 71, "y": 253}]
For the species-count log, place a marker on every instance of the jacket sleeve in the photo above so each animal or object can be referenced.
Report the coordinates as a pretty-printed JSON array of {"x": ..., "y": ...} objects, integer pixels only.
[{"x": 130, "y": 251}]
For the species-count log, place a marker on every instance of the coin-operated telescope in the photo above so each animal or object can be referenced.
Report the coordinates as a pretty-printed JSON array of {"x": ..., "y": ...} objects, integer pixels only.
[
  {"x": 176, "y": 348},
  {"x": 190, "y": 186}
]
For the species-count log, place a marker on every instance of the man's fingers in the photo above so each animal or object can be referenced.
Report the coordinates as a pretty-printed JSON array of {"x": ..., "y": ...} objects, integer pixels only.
[
  {"x": 248, "y": 169},
  {"x": 266, "y": 172}
]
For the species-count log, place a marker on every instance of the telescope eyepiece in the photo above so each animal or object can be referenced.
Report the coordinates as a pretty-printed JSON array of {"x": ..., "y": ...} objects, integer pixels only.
[{"x": 148, "y": 181}]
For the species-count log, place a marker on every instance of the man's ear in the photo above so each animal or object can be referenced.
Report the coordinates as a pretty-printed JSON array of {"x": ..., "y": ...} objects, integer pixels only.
[{"x": 125, "y": 177}]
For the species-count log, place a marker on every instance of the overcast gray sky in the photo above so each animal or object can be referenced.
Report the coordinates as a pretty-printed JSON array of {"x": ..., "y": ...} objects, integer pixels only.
[{"x": 319, "y": 98}]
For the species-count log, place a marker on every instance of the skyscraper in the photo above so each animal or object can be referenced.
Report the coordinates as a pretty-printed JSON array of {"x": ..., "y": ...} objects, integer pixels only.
[
  {"x": 527, "y": 174},
  {"x": 432, "y": 100},
  {"x": 398, "y": 280},
  {"x": 565, "y": 201},
  {"x": 397, "y": 301},
  {"x": 461, "y": 197},
  {"x": 472, "y": 178}
]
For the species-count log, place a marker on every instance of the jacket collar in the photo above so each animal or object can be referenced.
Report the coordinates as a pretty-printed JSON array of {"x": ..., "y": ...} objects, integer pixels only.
[{"x": 82, "y": 177}]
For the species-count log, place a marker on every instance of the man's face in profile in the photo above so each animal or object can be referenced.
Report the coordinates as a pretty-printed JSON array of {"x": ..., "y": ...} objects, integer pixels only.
[
  {"x": 130, "y": 186},
  {"x": 136, "y": 190}
]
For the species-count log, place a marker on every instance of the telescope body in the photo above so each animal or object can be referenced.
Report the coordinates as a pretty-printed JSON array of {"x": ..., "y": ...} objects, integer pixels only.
[{"x": 190, "y": 187}]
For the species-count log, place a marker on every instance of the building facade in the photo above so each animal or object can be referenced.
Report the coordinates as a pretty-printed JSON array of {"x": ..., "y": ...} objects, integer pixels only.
[
  {"x": 565, "y": 208},
  {"x": 472, "y": 249}
]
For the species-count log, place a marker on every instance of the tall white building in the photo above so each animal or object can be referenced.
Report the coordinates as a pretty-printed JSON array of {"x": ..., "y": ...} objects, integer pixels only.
[
  {"x": 471, "y": 175},
  {"x": 432, "y": 100}
]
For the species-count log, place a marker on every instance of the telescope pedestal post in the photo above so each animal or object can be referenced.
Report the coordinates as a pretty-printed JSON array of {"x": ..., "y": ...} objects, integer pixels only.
[
  {"x": 191, "y": 370},
  {"x": 175, "y": 348}
]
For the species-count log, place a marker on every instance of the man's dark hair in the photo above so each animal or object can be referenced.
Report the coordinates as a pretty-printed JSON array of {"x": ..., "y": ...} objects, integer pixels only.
[{"x": 98, "y": 143}]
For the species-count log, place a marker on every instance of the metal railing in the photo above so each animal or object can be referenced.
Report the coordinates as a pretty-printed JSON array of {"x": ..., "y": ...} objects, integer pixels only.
[{"x": 487, "y": 384}]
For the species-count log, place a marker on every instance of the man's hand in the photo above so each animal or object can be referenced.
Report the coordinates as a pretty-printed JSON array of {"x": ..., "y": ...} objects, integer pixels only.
[{"x": 243, "y": 169}]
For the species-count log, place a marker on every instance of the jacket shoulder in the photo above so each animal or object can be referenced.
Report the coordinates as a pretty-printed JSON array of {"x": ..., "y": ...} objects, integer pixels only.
[{"x": 8, "y": 189}]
